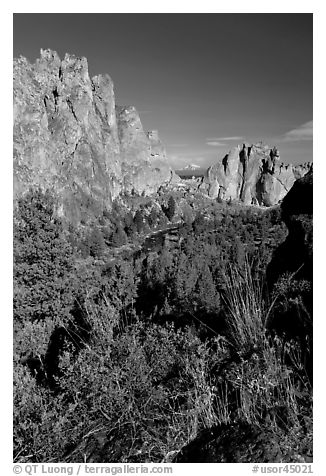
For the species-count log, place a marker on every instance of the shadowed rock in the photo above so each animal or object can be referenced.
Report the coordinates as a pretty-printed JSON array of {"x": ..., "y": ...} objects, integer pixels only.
[
  {"x": 295, "y": 254},
  {"x": 235, "y": 443},
  {"x": 292, "y": 313}
]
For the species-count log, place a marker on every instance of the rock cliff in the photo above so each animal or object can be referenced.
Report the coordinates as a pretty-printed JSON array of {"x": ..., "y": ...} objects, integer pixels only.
[
  {"x": 70, "y": 136},
  {"x": 252, "y": 174},
  {"x": 295, "y": 254}
]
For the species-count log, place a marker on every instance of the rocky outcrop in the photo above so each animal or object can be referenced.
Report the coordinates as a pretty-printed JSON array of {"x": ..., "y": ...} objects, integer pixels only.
[
  {"x": 252, "y": 174},
  {"x": 296, "y": 253},
  {"x": 143, "y": 158},
  {"x": 70, "y": 136}
]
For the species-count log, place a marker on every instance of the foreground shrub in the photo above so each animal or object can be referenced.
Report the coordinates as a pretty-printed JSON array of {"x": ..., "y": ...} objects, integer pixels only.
[
  {"x": 138, "y": 391},
  {"x": 267, "y": 377}
]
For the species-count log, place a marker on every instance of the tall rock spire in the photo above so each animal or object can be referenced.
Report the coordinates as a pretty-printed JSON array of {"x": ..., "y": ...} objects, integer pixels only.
[{"x": 70, "y": 136}]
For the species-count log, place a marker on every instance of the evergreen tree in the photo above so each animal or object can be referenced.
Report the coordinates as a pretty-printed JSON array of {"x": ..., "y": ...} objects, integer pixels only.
[
  {"x": 139, "y": 221},
  {"x": 128, "y": 223},
  {"x": 119, "y": 236},
  {"x": 153, "y": 217},
  {"x": 96, "y": 243},
  {"x": 43, "y": 265},
  {"x": 199, "y": 225},
  {"x": 171, "y": 208}
]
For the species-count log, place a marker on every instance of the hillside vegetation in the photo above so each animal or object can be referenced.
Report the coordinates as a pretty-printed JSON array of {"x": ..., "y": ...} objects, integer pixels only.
[{"x": 129, "y": 346}]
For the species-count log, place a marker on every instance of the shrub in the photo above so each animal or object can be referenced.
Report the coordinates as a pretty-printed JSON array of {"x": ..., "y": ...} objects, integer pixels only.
[
  {"x": 267, "y": 376},
  {"x": 245, "y": 305}
]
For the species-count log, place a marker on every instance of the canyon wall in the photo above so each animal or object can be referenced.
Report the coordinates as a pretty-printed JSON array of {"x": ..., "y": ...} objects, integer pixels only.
[{"x": 70, "y": 136}]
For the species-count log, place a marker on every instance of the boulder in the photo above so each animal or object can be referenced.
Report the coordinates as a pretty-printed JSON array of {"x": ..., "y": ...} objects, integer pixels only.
[{"x": 237, "y": 443}]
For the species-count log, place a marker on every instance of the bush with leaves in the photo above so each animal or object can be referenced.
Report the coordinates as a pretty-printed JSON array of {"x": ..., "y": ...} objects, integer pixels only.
[{"x": 131, "y": 398}]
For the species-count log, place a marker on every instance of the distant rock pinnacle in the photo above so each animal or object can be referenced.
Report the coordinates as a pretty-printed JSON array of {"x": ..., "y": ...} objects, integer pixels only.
[{"x": 252, "y": 174}]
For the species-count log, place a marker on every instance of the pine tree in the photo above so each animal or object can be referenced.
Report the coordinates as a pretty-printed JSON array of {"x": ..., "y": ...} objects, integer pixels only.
[
  {"x": 119, "y": 236},
  {"x": 199, "y": 224},
  {"x": 171, "y": 208},
  {"x": 96, "y": 243},
  {"x": 43, "y": 264},
  {"x": 139, "y": 221}
]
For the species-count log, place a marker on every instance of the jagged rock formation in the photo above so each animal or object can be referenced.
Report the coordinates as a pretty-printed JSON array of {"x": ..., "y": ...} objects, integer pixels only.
[
  {"x": 252, "y": 174},
  {"x": 70, "y": 136},
  {"x": 143, "y": 158}
]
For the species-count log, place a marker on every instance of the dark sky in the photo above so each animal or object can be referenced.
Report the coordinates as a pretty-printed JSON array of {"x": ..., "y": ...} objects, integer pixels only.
[{"x": 205, "y": 81}]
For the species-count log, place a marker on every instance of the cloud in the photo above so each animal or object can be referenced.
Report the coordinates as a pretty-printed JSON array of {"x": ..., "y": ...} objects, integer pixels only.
[
  {"x": 303, "y": 132},
  {"x": 214, "y": 143},
  {"x": 224, "y": 138}
]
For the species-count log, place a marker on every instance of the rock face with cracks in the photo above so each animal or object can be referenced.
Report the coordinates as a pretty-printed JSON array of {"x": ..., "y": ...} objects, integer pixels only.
[
  {"x": 252, "y": 174},
  {"x": 70, "y": 136}
]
